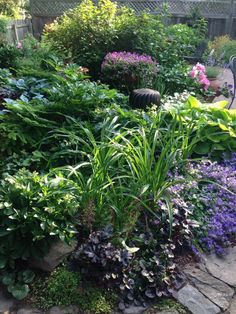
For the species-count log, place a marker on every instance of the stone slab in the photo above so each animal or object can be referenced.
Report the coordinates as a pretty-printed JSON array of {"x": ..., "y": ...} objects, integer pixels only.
[
  {"x": 195, "y": 301},
  {"x": 232, "y": 308},
  {"x": 223, "y": 268},
  {"x": 214, "y": 289},
  {"x": 132, "y": 309},
  {"x": 7, "y": 303},
  {"x": 64, "y": 310},
  {"x": 27, "y": 310},
  {"x": 58, "y": 252}
]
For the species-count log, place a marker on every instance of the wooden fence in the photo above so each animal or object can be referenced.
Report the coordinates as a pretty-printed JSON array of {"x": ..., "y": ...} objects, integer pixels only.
[
  {"x": 221, "y": 14},
  {"x": 17, "y": 29}
]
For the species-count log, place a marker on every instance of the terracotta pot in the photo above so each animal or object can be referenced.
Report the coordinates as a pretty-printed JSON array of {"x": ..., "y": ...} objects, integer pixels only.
[
  {"x": 215, "y": 85},
  {"x": 209, "y": 99}
]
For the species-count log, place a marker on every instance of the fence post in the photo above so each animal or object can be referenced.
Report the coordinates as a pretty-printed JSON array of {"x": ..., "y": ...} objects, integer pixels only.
[
  {"x": 16, "y": 32},
  {"x": 229, "y": 21}
]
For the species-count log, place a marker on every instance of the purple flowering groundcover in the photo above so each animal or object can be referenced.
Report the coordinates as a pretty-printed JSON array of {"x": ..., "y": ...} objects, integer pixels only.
[{"x": 211, "y": 198}]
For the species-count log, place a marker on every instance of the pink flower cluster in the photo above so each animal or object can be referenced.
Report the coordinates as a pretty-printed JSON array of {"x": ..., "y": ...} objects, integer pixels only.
[
  {"x": 19, "y": 45},
  {"x": 198, "y": 73}
]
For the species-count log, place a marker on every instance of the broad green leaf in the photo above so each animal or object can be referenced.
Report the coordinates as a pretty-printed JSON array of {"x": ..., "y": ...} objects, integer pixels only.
[
  {"x": 218, "y": 105},
  {"x": 8, "y": 279},
  {"x": 19, "y": 291},
  {"x": 28, "y": 276},
  {"x": 3, "y": 262},
  {"x": 202, "y": 148},
  {"x": 194, "y": 102}
]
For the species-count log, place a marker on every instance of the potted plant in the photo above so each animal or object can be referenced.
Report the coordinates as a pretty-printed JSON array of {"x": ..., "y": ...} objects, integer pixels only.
[{"x": 212, "y": 74}]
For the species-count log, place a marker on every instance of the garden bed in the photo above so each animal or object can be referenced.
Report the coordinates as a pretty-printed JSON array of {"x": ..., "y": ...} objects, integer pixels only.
[{"x": 112, "y": 203}]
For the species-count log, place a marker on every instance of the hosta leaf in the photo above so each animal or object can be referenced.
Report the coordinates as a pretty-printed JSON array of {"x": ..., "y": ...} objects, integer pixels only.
[
  {"x": 28, "y": 276},
  {"x": 202, "y": 148},
  {"x": 8, "y": 279},
  {"x": 19, "y": 291},
  {"x": 3, "y": 262}
]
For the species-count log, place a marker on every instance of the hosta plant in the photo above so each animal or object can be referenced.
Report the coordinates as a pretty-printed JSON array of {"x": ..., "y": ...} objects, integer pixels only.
[{"x": 35, "y": 210}]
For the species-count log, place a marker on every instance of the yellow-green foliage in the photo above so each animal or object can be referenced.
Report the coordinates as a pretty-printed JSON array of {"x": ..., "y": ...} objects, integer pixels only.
[{"x": 224, "y": 47}]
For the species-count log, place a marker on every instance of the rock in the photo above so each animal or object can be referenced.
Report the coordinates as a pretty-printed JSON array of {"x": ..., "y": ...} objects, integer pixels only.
[
  {"x": 132, "y": 309},
  {"x": 232, "y": 308},
  {"x": 58, "y": 252},
  {"x": 29, "y": 311},
  {"x": 156, "y": 311},
  {"x": 7, "y": 303},
  {"x": 215, "y": 290},
  {"x": 223, "y": 268},
  {"x": 64, "y": 310},
  {"x": 196, "y": 302}
]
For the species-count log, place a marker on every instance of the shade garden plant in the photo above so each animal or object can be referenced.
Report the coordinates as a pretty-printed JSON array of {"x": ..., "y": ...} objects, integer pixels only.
[
  {"x": 135, "y": 188},
  {"x": 116, "y": 179}
]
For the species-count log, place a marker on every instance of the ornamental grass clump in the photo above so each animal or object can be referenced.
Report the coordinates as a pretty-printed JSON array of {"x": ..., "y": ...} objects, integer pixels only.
[{"x": 127, "y": 71}]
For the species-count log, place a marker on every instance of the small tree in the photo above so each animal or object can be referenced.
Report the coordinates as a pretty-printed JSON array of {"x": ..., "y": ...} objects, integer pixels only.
[{"x": 10, "y": 7}]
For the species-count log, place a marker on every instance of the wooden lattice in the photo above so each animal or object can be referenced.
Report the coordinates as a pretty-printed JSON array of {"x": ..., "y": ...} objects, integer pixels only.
[{"x": 215, "y": 8}]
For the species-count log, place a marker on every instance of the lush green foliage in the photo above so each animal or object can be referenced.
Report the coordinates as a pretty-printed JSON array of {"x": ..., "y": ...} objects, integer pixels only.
[
  {"x": 17, "y": 282},
  {"x": 75, "y": 158},
  {"x": 3, "y": 28},
  {"x": 34, "y": 209},
  {"x": 8, "y": 56},
  {"x": 215, "y": 129},
  {"x": 91, "y": 31},
  {"x": 9, "y": 7},
  {"x": 36, "y": 56},
  {"x": 212, "y": 72},
  {"x": 63, "y": 288},
  {"x": 223, "y": 48}
]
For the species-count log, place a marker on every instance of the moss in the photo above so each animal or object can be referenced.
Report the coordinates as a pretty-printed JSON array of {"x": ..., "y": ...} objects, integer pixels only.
[
  {"x": 166, "y": 305},
  {"x": 63, "y": 288},
  {"x": 97, "y": 301}
]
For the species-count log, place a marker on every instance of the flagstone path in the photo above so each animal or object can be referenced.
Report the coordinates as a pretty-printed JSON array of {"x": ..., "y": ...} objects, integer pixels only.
[
  {"x": 210, "y": 288},
  {"x": 226, "y": 76}
]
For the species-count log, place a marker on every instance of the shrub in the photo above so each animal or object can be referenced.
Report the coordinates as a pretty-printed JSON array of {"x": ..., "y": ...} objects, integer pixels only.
[
  {"x": 36, "y": 56},
  {"x": 229, "y": 50},
  {"x": 127, "y": 71},
  {"x": 3, "y": 28},
  {"x": 89, "y": 31},
  {"x": 9, "y": 7},
  {"x": 183, "y": 38},
  {"x": 224, "y": 47},
  {"x": 174, "y": 78},
  {"x": 8, "y": 56}
]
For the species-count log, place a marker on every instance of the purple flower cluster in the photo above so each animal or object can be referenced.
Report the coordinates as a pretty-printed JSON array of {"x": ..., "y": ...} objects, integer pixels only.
[
  {"x": 127, "y": 57},
  {"x": 211, "y": 200},
  {"x": 127, "y": 71},
  {"x": 221, "y": 208}
]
